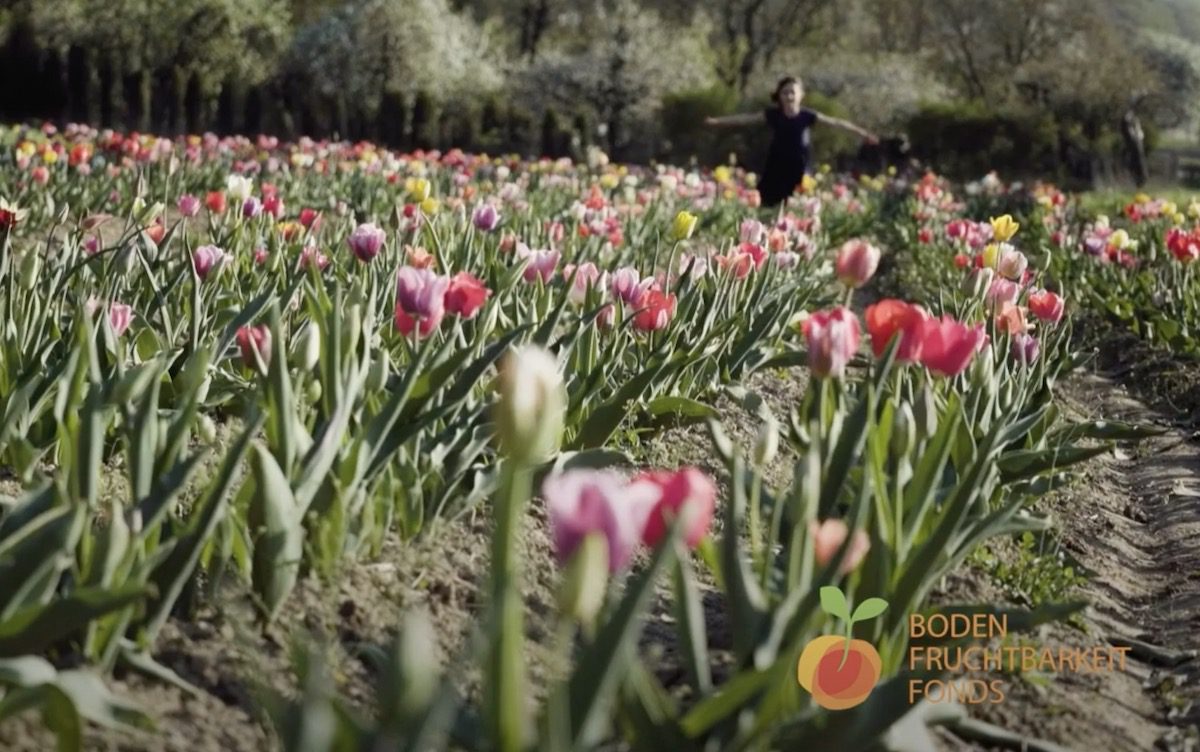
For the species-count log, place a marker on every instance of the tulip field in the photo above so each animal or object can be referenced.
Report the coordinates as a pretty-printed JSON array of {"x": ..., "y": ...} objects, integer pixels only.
[{"x": 653, "y": 442}]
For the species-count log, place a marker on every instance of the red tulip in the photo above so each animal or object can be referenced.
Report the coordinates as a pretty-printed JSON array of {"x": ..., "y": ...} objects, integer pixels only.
[
  {"x": 255, "y": 339},
  {"x": 215, "y": 201},
  {"x": 466, "y": 294},
  {"x": 656, "y": 313},
  {"x": 688, "y": 493},
  {"x": 311, "y": 219},
  {"x": 1046, "y": 306},
  {"x": 886, "y": 318},
  {"x": 947, "y": 346}
]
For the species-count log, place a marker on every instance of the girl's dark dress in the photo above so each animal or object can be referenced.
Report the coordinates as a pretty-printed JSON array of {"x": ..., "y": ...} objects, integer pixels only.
[{"x": 787, "y": 158}]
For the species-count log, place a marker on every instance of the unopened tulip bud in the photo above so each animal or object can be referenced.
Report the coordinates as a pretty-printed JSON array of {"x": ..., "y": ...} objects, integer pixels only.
[
  {"x": 584, "y": 580},
  {"x": 308, "y": 348},
  {"x": 532, "y": 400},
  {"x": 377, "y": 376},
  {"x": 767, "y": 444},
  {"x": 904, "y": 430},
  {"x": 925, "y": 414},
  {"x": 31, "y": 269},
  {"x": 206, "y": 429},
  {"x": 313, "y": 391}
]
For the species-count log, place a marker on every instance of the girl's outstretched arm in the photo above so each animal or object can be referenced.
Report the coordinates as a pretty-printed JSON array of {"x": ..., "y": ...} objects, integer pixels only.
[
  {"x": 846, "y": 125},
  {"x": 733, "y": 120}
]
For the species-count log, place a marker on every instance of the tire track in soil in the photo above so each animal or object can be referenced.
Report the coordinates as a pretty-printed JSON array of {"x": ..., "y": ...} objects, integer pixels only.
[{"x": 1135, "y": 525}]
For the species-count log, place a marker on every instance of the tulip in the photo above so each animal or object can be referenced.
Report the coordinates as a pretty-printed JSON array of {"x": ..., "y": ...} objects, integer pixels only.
[
  {"x": 541, "y": 265},
  {"x": 215, "y": 201},
  {"x": 857, "y": 261},
  {"x": 947, "y": 346},
  {"x": 657, "y": 311},
  {"x": 420, "y": 293},
  {"x": 206, "y": 259},
  {"x": 239, "y": 187},
  {"x": 1025, "y": 349},
  {"x": 1012, "y": 264},
  {"x": 887, "y": 318},
  {"x": 688, "y": 494},
  {"x": 829, "y": 536},
  {"x": 753, "y": 231},
  {"x": 465, "y": 295},
  {"x": 188, "y": 205},
  {"x": 1003, "y": 291},
  {"x": 273, "y": 205},
  {"x": 531, "y": 405},
  {"x": 1003, "y": 228},
  {"x": 583, "y": 502},
  {"x": 587, "y": 276},
  {"x": 485, "y": 217},
  {"x": 255, "y": 345},
  {"x": 1046, "y": 306},
  {"x": 833, "y": 338},
  {"x": 311, "y": 219},
  {"x": 119, "y": 318},
  {"x": 683, "y": 226},
  {"x": 251, "y": 207},
  {"x": 626, "y": 286},
  {"x": 308, "y": 347},
  {"x": 365, "y": 241},
  {"x": 1011, "y": 319}
]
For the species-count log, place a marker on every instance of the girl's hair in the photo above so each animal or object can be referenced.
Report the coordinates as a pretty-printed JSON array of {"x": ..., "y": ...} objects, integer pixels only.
[{"x": 784, "y": 82}]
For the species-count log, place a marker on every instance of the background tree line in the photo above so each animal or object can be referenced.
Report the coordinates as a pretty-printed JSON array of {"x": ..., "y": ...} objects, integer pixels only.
[{"x": 1023, "y": 86}]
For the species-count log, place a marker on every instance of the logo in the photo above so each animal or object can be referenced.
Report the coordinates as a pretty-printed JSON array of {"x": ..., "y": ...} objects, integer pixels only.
[{"x": 840, "y": 672}]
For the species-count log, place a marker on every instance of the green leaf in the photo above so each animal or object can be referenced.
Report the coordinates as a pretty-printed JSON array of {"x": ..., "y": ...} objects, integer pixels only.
[
  {"x": 868, "y": 609},
  {"x": 732, "y": 697},
  {"x": 833, "y": 602},
  {"x": 600, "y": 668},
  {"x": 36, "y": 628},
  {"x": 1025, "y": 464},
  {"x": 604, "y": 420},
  {"x": 681, "y": 406},
  {"x": 277, "y": 529}
]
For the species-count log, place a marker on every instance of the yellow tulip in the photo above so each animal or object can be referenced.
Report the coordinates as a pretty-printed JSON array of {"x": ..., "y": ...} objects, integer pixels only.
[
  {"x": 609, "y": 180},
  {"x": 991, "y": 254},
  {"x": 683, "y": 226},
  {"x": 808, "y": 183},
  {"x": 1141, "y": 198},
  {"x": 722, "y": 174},
  {"x": 49, "y": 156},
  {"x": 891, "y": 171},
  {"x": 418, "y": 188},
  {"x": 1003, "y": 228},
  {"x": 1194, "y": 210},
  {"x": 429, "y": 205}
]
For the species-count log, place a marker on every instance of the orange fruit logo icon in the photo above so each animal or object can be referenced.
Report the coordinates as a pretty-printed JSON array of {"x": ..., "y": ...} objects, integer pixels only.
[{"x": 840, "y": 672}]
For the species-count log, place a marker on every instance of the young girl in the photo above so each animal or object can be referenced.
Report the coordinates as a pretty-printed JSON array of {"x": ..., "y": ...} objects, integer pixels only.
[{"x": 787, "y": 159}]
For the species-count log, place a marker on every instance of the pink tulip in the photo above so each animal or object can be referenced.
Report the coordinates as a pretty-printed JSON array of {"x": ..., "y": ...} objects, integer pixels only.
[
  {"x": 686, "y": 493},
  {"x": 273, "y": 205},
  {"x": 833, "y": 338},
  {"x": 206, "y": 259},
  {"x": 366, "y": 241},
  {"x": 753, "y": 231},
  {"x": 947, "y": 346},
  {"x": 1003, "y": 291},
  {"x": 581, "y": 502},
  {"x": 587, "y": 275},
  {"x": 1025, "y": 349},
  {"x": 829, "y": 536},
  {"x": 541, "y": 265},
  {"x": 626, "y": 286},
  {"x": 188, "y": 205},
  {"x": 119, "y": 317},
  {"x": 856, "y": 262}
]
